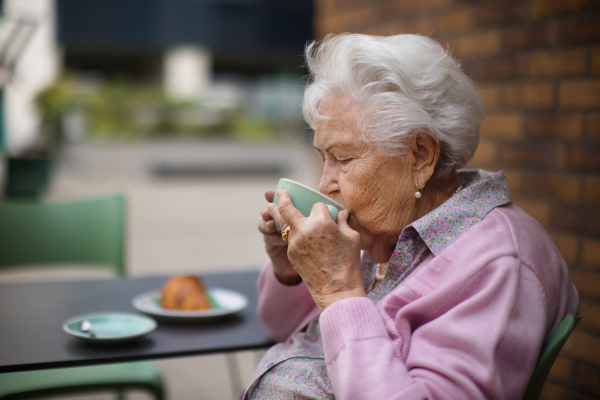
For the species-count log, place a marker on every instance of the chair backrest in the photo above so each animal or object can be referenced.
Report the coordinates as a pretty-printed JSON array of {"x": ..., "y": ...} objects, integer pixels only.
[
  {"x": 548, "y": 355},
  {"x": 90, "y": 232}
]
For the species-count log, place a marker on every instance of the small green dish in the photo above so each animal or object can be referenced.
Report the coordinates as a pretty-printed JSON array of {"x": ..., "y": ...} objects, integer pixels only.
[{"x": 110, "y": 327}]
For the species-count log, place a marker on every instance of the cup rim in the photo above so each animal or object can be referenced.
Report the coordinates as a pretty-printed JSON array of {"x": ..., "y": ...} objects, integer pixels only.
[{"x": 335, "y": 203}]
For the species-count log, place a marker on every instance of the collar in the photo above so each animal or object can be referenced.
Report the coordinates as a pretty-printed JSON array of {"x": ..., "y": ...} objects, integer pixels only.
[{"x": 483, "y": 191}]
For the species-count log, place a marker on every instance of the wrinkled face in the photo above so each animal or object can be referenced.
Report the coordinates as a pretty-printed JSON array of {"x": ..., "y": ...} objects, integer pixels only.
[{"x": 375, "y": 188}]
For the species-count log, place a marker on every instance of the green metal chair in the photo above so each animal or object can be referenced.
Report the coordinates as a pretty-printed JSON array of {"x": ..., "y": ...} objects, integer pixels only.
[
  {"x": 90, "y": 232},
  {"x": 548, "y": 355}
]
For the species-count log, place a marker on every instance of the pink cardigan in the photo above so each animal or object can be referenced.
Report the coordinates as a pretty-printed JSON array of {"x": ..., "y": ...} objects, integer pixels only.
[{"x": 466, "y": 324}]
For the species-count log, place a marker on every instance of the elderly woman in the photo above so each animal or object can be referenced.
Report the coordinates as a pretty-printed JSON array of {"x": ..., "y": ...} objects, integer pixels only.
[{"x": 431, "y": 284}]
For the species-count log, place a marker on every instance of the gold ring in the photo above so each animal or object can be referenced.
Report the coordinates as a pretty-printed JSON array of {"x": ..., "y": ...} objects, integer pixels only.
[{"x": 285, "y": 233}]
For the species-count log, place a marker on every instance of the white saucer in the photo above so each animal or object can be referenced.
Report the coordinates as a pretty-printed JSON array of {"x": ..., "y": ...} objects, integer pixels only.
[{"x": 224, "y": 301}]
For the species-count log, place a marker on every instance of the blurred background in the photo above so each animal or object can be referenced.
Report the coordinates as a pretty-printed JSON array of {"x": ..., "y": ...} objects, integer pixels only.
[{"x": 192, "y": 109}]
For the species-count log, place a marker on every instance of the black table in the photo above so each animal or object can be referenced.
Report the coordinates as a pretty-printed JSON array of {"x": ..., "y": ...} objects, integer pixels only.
[{"x": 31, "y": 317}]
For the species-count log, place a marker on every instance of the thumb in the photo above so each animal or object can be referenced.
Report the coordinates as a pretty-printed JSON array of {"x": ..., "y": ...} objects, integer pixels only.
[{"x": 342, "y": 222}]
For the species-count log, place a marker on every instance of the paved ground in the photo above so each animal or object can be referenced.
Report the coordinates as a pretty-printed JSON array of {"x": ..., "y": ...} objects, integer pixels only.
[{"x": 201, "y": 220}]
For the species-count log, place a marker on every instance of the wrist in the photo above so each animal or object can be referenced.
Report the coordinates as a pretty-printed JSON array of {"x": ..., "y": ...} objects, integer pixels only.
[{"x": 325, "y": 301}]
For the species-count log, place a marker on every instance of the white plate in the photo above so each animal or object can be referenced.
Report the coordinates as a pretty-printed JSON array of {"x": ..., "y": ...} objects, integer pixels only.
[
  {"x": 226, "y": 302},
  {"x": 110, "y": 327}
]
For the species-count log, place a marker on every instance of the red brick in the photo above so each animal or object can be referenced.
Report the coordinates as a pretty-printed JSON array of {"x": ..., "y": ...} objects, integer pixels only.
[
  {"x": 459, "y": 21},
  {"x": 594, "y": 128},
  {"x": 474, "y": 2},
  {"x": 549, "y": 8},
  {"x": 499, "y": 69},
  {"x": 515, "y": 179},
  {"x": 582, "y": 95},
  {"x": 325, "y": 26},
  {"x": 561, "y": 371},
  {"x": 362, "y": 16},
  {"x": 490, "y": 96},
  {"x": 584, "y": 347},
  {"x": 508, "y": 127},
  {"x": 579, "y": 158},
  {"x": 582, "y": 30},
  {"x": 350, "y": 21},
  {"x": 577, "y": 220},
  {"x": 386, "y": 29},
  {"x": 502, "y": 13},
  {"x": 470, "y": 68},
  {"x": 552, "y": 391},
  {"x": 403, "y": 7},
  {"x": 324, "y": 8},
  {"x": 563, "y": 189},
  {"x": 397, "y": 9},
  {"x": 590, "y": 317},
  {"x": 423, "y": 26},
  {"x": 591, "y": 254},
  {"x": 486, "y": 155},
  {"x": 587, "y": 380},
  {"x": 428, "y": 6},
  {"x": 479, "y": 45},
  {"x": 530, "y": 156},
  {"x": 561, "y": 127},
  {"x": 596, "y": 62},
  {"x": 592, "y": 191},
  {"x": 587, "y": 284},
  {"x": 558, "y": 64},
  {"x": 530, "y": 37},
  {"x": 537, "y": 210},
  {"x": 568, "y": 247},
  {"x": 533, "y": 96}
]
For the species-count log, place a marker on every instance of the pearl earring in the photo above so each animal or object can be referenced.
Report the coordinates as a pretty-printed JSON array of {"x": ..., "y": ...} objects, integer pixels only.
[{"x": 417, "y": 193}]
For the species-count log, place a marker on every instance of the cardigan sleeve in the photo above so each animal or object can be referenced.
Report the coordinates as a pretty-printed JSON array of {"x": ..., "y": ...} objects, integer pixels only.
[
  {"x": 281, "y": 308},
  {"x": 476, "y": 339}
]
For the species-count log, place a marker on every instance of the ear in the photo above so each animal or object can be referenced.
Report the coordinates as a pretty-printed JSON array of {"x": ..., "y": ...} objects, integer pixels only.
[{"x": 426, "y": 153}]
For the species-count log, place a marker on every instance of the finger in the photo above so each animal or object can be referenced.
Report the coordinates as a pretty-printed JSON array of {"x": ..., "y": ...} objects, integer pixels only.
[
  {"x": 342, "y": 222},
  {"x": 274, "y": 240},
  {"x": 274, "y": 211},
  {"x": 265, "y": 214},
  {"x": 321, "y": 211},
  {"x": 269, "y": 194},
  {"x": 286, "y": 209},
  {"x": 266, "y": 227}
]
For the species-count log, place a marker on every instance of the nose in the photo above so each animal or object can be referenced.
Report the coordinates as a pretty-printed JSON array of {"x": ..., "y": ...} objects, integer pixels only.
[{"x": 329, "y": 180}]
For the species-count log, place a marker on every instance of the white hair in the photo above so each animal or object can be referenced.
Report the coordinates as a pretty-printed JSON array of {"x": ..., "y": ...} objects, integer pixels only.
[{"x": 402, "y": 84}]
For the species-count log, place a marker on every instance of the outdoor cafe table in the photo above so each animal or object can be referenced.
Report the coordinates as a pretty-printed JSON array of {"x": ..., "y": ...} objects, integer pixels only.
[{"x": 32, "y": 314}]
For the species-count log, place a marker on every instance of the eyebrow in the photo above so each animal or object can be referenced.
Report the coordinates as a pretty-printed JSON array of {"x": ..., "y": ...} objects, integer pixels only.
[{"x": 326, "y": 149}]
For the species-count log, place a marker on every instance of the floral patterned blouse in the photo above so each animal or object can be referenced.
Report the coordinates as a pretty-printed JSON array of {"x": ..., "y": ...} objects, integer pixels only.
[{"x": 296, "y": 369}]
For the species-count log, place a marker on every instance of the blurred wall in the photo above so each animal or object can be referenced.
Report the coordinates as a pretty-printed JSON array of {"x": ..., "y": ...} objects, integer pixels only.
[
  {"x": 537, "y": 63},
  {"x": 37, "y": 66}
]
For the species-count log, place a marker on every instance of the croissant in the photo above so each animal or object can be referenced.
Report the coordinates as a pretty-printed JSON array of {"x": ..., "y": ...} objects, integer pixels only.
[{"x": 185, "y": 292}]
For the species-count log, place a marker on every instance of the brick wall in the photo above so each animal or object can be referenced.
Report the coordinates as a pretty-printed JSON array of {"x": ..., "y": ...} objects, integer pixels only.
[{"x": 537, "y": 63}]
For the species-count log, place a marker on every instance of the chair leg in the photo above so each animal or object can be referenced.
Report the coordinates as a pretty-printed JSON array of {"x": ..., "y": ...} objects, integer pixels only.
[{"x": 234, "y": 374}]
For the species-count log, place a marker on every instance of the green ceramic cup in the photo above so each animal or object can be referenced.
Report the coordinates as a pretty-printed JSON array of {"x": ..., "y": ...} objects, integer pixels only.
[{"x": 304, "y": 198}]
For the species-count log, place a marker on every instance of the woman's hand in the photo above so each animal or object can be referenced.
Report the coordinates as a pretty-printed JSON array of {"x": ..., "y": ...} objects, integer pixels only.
[
  {"x": 325, "y": 253},
  {"x": 276, "y": 247}
]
